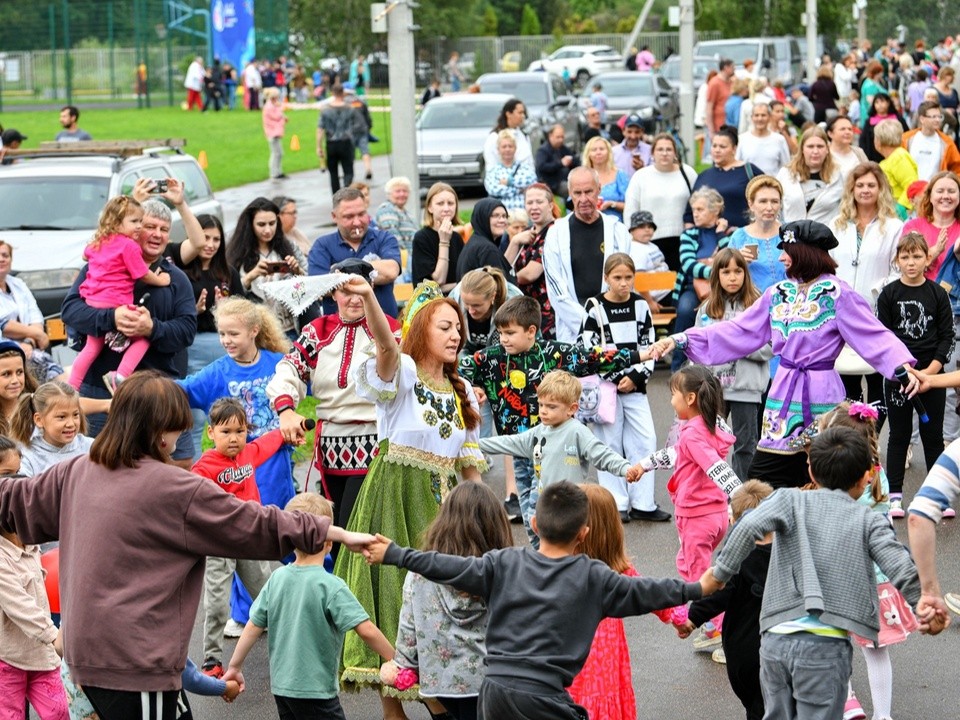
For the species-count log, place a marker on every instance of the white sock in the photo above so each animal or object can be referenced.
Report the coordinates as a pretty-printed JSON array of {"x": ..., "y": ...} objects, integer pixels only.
[{"x": 880, "y": 673}]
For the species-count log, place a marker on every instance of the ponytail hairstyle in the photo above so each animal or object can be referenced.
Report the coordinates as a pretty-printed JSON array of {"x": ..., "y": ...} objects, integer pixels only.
[
  {"x": 698, "y": 379},
  {"x": 39, "y": 402},
  {"x": 414, "y": 346},
  {"x": 270, "y": 335},
  {"x": 487, "y": 282},
  {"x": 862, "y": 418},
  {"x": 744, "y": 297}
]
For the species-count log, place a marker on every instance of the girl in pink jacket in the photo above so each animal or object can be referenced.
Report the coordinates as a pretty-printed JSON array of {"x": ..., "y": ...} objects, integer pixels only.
[{"x": 273, "y": 126}]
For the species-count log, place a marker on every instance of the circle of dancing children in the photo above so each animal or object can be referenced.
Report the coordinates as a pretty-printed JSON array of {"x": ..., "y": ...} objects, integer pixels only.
[
  {"x": 441, "y": 636},
  {"x": 743, "y": 381},
  {"x": 114, "y": 265}
]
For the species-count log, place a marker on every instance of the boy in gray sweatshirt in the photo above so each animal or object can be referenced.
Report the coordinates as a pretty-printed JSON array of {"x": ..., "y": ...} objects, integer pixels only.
[
  {"x": 560, "y": 447},
  {"x": 540, "y": 630},
  {"x": 821, "y": 584}
]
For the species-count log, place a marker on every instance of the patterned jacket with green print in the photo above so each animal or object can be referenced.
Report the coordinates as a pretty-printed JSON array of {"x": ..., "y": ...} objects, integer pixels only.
[{"x": 511, "y": 381}]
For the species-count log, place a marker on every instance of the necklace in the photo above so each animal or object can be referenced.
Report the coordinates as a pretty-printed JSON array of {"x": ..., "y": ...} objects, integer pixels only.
[{"x": 256, "y": 357}]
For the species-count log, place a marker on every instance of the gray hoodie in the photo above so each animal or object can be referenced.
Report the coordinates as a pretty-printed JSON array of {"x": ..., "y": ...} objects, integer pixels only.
[
  {"x": 39, "y": 454},
  {"x": 441, "y": 635}
]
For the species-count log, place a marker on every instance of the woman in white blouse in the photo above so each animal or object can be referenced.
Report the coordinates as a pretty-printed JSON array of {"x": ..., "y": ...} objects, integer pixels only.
[
  {"x": 867, "y": 228},
  {"x": 663, "y": 188}
]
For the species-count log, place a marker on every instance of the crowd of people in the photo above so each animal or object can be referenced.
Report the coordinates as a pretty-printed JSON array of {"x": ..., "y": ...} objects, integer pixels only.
[{"x": 811, "y": 303}]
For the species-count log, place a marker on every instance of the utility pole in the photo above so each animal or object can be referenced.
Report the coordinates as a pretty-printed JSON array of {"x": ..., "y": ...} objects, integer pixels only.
[
  {"x": 686, "y": 79},
  {"x": 860, "y": 13},
  {"x": 812, "y": 56},
  {"x": 403, "y": 89}
]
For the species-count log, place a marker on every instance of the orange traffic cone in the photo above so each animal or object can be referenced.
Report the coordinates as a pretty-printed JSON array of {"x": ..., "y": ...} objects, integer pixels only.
[
  {"x": 202, "y": 159},
  {"x": 295, "y": 143}
]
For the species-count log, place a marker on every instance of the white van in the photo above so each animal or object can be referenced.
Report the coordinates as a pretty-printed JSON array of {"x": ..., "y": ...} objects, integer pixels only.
[{"x": 776, "y": 58}]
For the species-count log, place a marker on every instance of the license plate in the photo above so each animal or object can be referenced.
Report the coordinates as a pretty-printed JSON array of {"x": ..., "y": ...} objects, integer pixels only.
[{"x": 447, "y": 170}]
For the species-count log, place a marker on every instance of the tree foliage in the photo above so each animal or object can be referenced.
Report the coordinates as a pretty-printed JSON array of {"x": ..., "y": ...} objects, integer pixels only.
[{"x": 529, "y": 22}]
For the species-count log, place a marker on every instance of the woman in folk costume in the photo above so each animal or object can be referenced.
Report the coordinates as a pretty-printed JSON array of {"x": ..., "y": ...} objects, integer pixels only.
[
  {"x": 325, "y": 359},
  {"x": 428, "y": 422},
  {"x": 807, "y": 318}
]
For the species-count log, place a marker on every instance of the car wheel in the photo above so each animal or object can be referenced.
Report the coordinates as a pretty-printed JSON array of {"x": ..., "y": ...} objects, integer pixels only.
[{"x": 582, "y": 77}]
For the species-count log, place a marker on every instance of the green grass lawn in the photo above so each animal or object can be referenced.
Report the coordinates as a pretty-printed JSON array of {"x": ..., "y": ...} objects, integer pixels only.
[{"x": 234, "y": 143}]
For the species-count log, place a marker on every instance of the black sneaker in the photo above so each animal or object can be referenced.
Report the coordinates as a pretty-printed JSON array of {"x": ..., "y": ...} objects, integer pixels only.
[
  {"x": 624, "y": 517},
  {"x": 512, "y": 505},
  {"x": 655, "y": 515}
]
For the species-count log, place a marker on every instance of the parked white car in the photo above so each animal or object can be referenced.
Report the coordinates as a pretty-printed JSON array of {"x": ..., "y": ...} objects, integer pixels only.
[{"x": 582, "y": 61}]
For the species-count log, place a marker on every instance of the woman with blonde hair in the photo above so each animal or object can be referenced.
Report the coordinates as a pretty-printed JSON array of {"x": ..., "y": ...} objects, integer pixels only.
[
  {"x": 437, "y": 245},
  {"x": 867, "y": 229},
  {"x": 812, "y": 185},
  {"x": 758, "y": 240},
  {"x": 393, "y": 217},
  {"x": 507, "y": 179},
  {"x": 598, "y": 155},
  {"x": 479, "y": 294}
]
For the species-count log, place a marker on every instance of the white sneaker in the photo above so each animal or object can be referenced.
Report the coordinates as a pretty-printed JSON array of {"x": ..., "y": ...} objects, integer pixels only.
[
  {"x": 719, "y": 656},
  {"x": 233, "y": 629},
  {"x": 896, "y": 509}
]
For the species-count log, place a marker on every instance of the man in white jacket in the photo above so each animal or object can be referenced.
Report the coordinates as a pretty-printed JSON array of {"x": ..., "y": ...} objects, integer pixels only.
[{"x": 575, "y": 250}]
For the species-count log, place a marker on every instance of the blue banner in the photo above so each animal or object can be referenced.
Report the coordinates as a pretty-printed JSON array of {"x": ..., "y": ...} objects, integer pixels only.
[{"x": 234, "y": 39}]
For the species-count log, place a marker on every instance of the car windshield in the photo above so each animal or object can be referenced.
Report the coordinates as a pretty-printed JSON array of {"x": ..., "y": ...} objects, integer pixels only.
[
  {"x": 460, "y": 116},
  {"x": 51, "y": 203},
  {"x": 627, "y": 86},
  {"x": 532, "y": 93},
  {"x": 606, "y": 54},
  {"x": 671, "y": 69},
  {"x": 738, "y": 52}
]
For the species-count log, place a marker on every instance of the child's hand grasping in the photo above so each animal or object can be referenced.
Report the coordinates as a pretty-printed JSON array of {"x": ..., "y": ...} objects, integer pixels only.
[
  {"x": 634, "y": 473},
  {"x": 233, "y": 689},
  {"x": 684, "y": 629},
  {"x": 377, "y": 549}
]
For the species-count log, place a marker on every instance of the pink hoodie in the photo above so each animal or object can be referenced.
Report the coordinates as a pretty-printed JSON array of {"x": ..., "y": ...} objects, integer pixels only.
[
  {"x": 273, "y": 120},
  {"x": 692, "y": 491}
]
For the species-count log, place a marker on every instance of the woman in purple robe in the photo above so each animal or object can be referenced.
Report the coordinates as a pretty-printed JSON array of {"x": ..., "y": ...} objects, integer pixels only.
[{"x": 807, "y": 318}]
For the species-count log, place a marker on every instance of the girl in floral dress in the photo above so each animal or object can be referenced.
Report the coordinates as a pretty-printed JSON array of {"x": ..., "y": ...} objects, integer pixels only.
[
  {"x": 442, "y": 630},
  {"x": 428, "y": 421}
]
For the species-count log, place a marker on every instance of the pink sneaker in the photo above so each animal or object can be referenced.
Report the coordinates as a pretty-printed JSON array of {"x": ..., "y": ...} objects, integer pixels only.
[
  {"x": 949, "y": 513},
  {"x": 852, "y": 710}
]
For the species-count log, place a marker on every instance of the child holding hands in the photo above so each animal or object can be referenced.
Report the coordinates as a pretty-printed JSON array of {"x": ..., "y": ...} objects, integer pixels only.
[
  {"x": 308, "y": 611},
  {"x": 560, "y": 447}
]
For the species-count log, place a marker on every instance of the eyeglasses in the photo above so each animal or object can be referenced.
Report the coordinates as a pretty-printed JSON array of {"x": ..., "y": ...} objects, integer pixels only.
[
  {"x": 933, "y": 117},
  {"x": 498, "y": 216}
]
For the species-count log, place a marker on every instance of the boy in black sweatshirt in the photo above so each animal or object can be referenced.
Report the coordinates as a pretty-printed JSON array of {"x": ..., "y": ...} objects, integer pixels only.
[{"x": 540, "y": 629}]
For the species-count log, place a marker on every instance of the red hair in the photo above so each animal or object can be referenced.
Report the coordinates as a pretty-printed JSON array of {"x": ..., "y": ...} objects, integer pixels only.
[{"x": 415, "y": 346}]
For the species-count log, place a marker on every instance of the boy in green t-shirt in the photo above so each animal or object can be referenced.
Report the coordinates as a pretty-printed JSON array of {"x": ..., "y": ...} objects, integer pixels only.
[{"x": 304, "y": 650}]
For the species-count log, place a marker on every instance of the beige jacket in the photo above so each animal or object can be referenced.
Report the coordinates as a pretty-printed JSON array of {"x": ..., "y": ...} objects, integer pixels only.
[{"x": 26, "y": 630}]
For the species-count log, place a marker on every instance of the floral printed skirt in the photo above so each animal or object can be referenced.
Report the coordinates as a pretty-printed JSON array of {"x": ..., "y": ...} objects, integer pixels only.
[
  {"x": 897, "y": 620},
  {"x": 398, "y": 501}
]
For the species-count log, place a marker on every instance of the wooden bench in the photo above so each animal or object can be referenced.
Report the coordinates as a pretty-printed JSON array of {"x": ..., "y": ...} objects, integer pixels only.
[{"x": 646, "y": 282}]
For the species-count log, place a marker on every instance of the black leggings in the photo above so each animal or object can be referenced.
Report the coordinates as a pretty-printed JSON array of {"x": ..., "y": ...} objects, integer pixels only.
[
  {"x": 900, "y": 413},
  {"x": 340, "y": 154},
  {"x": 343, "y": 494},
  {"x": 462, "y": 708}
]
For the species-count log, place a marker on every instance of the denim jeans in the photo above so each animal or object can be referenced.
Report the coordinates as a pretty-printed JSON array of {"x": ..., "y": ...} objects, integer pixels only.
[
  {"x": 528, "y": 494},
  {"x": 804, "y": 676},
  {"x": 687, "y": 305},
  {"x": 205, "y": 349}
]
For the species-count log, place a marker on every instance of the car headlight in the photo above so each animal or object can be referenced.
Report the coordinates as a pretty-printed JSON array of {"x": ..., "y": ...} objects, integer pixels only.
[{"x": 49, "y": 279}]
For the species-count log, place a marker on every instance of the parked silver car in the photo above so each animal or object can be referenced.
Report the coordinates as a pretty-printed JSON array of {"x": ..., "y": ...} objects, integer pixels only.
[
  {"x": 547, "y": 99},
  {"x": 50, "y": 204},
  {"x": 644, "y": 93},
  {"x": 451, "y": 131}
]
